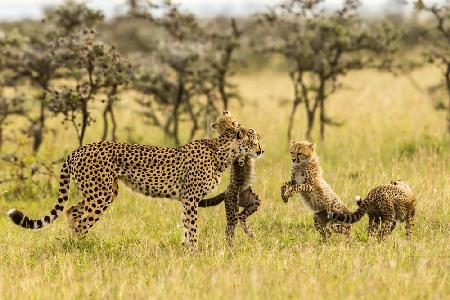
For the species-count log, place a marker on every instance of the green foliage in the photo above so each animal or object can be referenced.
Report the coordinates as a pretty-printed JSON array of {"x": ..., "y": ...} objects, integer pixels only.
[
  {"x": 72, "y": 16},
  {"x": 95, "y": 67},
  {"x": 188, "y": 74},
  {"x": 321, "y": 47},
  {"x": 438, "y": 52}
]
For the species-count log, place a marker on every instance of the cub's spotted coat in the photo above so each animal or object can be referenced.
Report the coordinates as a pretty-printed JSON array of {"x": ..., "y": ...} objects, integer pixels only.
[
  {"x": 238, "y": 193},
  {"x": 307, "y": 179},
  {"x": 385, "y": 205}
]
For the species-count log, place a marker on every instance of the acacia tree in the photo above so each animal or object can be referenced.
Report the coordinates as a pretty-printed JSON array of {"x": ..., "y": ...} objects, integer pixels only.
[
  {"x": 29, "y": 57},
  {"x": 439, "y": 50},
  {"x": 223, "y": 45},
  {"x": 189, "y": 73},
  {"x": 321, "y": 47},
  {"x": 97, "y": 68}
]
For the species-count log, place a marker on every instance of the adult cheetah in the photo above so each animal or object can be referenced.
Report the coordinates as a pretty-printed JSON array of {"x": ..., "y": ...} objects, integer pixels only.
[
  {"x": 187, "y": 173},
  {"x": 385, "y": 205}
]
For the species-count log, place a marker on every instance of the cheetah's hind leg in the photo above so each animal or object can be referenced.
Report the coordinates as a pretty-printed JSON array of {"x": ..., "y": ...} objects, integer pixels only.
[
  {"x": 320, "y": 223},
  {"x": 343, "y": 229},
  {"x": 73, "y": 215},
  {"x": 97, "y": 204}
]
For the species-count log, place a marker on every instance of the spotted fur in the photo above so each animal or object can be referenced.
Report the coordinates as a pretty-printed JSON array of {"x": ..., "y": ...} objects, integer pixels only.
[
  {"x": 187, "y": 173},
  {"x": 238, "y": 194},
  {"x": 385, "y": 205},
  {"x": 307, "y": 179}
]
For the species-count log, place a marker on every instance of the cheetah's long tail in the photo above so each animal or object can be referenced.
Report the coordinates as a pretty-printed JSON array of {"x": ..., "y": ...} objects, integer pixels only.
[
  {"x": 355, "y": 216},
  {"x": 23, "y": 220},
  {"x": 212, "y": 201}
]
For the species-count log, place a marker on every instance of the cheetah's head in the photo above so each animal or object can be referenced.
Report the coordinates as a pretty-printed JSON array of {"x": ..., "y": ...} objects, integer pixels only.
[{"x": 302, "y": 151}]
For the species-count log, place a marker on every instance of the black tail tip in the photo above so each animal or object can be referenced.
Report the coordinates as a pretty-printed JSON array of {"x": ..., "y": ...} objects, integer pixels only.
[{"x": 15, "y": 215}]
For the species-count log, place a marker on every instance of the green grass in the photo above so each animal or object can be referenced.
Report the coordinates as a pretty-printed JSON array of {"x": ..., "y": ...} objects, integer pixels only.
[{"x": 391, "y": 131}]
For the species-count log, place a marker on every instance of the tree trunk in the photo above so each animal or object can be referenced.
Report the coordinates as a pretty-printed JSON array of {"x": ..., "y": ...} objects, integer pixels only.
[
  {"x": 84, "y": 121},
  {"x": 176, "y": 119},
  {"x": 114, "y": 125},
  {"x": 322, "y": 119},
  {"x": 447, "y": 80},
  {"x": 223, "y": 93},
  {"x": 109, "y": 110},
  {"x": 38, "y": 135},
  {"x": 291, "y": 118},
  {"x": 1, "y": 135},
  {"x": 105, "y": 122},
  {"x": 309, "y": 124}
]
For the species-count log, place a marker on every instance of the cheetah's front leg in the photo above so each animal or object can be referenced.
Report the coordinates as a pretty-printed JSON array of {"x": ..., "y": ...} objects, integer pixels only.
[
  {"x": 190, "y": 205},
  {"x": 288, "y": 189}
]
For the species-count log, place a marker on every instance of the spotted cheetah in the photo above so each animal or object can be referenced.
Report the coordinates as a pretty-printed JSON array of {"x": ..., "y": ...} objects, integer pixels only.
[
  {"x": 307, "y": 179},
  {"x": 238, "y": 194},
  {"x": 385, "y": 205},
  {"x": 187, "y": 173}
]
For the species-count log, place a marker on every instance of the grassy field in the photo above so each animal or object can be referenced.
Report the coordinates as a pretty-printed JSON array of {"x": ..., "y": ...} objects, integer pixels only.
[{"x": 391, "y": 131}]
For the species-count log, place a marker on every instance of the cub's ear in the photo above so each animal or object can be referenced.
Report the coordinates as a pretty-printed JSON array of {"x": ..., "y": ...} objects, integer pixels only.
[
  {"x": 292, "y": 143},
  {"x": 312, "y": 146},
  {"x": 225, "y": 113},
  {"x": 213, "y": 126}
]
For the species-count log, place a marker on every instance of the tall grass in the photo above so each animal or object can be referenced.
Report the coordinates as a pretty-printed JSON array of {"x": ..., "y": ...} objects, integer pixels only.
[{"x": 391, "y": 131}]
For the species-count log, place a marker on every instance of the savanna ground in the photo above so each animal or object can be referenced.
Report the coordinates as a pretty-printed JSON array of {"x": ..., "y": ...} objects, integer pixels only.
[{"x": 391, "y": 131}]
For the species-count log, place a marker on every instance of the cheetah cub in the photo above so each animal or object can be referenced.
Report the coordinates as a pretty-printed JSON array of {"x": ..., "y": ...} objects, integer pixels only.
[
  {"x": 385, "y": 205},
  {"x": 239, "y": 192},
  {"x": 307, "y": 179}
]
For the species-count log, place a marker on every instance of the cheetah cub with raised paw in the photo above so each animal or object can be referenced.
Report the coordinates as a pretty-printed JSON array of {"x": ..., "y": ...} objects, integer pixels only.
[
  {"x": 385, "y": 205},
  {"x": 307, "y": 179}
]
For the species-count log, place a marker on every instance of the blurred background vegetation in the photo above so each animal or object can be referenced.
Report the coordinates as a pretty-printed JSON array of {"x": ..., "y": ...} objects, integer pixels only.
[{"x": 174, "y": 71}]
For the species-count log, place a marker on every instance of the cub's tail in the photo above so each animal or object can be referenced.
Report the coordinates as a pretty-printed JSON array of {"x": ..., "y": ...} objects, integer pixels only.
[
  {"x": 355, "y": 216},
  {"x": 23, "y": 220},
  {"x": 212, "y": 201}
]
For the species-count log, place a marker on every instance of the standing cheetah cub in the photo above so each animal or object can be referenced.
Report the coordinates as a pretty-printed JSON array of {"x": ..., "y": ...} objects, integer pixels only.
[
  {"x": 385, "y": 204},
  {"x": 307, "y": 179}
]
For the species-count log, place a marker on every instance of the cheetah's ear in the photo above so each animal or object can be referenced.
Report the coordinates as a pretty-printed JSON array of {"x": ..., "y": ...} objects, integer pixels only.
[
  {"x": 225, "y": 113},
  {"x": 292, "y": 142},
  {"x": 213, "y": 126},
  {"x": 312, "y": 146}
]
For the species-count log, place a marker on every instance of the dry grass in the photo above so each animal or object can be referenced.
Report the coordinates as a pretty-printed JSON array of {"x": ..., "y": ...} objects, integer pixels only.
[{"x": 390, "y": 131}]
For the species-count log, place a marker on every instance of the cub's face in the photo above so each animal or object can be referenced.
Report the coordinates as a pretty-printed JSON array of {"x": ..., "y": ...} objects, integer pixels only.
[
  {"x": 302, "y": 151},
  {"x": 249, "y": 143},
  {"x": 225, "y": 122}
]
